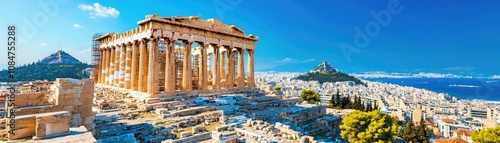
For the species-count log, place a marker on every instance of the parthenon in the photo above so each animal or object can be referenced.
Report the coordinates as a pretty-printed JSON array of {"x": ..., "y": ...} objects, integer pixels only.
[{"x": 158, "y": 58}]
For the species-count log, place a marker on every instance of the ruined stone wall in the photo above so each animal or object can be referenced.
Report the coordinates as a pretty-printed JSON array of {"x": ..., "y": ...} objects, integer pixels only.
[
  {"x": 74, "y": 96},
  {"x": 30, "y": 99},
  {"x": 308, "y": 114}
]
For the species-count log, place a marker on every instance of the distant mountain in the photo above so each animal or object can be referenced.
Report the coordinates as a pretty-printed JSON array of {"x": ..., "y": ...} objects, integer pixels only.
[
  {"x": 57, "y": 65},
  {"x": 59, "y": 57},
  {"x": 325, "y": 72},
  {"x": 324, "y": 66}
]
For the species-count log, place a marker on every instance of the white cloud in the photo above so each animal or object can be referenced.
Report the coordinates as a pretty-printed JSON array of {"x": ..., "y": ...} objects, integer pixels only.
[
  {"x": 44, "y": 44},
  {"x": 97, "y": 10},
  {"x": 308, "y": 60},
  {"x": 285, "y": 60},
  {"x": 496, "y": 77},
  {"x": 292, "y": 60},
  {"x": 77, "y": 26}
]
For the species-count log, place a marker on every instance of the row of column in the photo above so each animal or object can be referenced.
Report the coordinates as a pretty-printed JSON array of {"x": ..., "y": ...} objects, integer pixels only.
[{"x": 135, "y": 66}]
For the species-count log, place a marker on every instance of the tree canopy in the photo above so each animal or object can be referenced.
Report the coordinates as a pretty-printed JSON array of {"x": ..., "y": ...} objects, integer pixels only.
[
  {"x": 310, "y": 96},
  {"x": 374, "y": 126},
  {"x": 488, "y": 135},
  {"x": 277, "y": 87},
  {"x": 416, "y": 134},
  {"x": 325, "y": 76},
  {"x": 36, "y": 71}
]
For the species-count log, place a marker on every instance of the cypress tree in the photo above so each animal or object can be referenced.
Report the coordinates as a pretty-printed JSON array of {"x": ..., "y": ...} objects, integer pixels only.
[
  {"x": 332, "y": 101},
  {"x": 337, "y": 100}
]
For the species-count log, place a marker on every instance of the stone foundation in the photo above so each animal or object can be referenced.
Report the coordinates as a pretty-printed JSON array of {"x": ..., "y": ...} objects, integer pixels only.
[{"x": 41, "y": 125}]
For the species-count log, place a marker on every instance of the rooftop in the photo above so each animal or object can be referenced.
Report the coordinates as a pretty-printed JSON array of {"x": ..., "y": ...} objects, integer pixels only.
[
  {"x": 457, "y": 140},
  {"x": 449, "y": 121},
  {"x": 463, "y": 132}
]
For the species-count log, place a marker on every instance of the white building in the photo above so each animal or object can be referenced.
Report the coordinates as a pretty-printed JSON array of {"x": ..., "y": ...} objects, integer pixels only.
[{"x": 448, "y": 126}]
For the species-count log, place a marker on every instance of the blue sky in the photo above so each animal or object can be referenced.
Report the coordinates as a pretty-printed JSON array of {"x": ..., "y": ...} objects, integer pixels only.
[{"x": 421, "y": 35}]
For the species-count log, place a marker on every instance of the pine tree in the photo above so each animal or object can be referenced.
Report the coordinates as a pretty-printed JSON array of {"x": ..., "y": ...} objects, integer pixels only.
[
  {"x": 375, "y": 106},
  {"x": 369, "y": 107},
  {"x": 332, "y": 101},
  {"x": 362, "y": 106},
  {"x": 349, "y": 104},
  {"x": 356, "y": 102},
  {"x": 364, "y": 127},
  {"x": 337, "y": 99},
  {"x": 423, "y": 133},
  {"x": 346, "y": 101},
  {"x": 409, "y": 134}
]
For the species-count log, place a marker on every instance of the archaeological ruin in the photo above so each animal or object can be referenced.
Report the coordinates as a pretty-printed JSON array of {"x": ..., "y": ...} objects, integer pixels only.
[
  {"x": 171, "y": 80},
  {"x": 157, "y": 59}
]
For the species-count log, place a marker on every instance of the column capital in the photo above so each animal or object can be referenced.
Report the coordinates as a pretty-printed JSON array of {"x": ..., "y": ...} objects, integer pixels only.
[
  {"x": 154, "y": 39},
  {"x": 216, "y": 45},
  {"x": 185, "y": 42},
  {"x": 129, "y": 43},
  {"x": 250, "y": 51},
  {"x": 143, "y": 40},
  {"x": 135, "y": 42}
]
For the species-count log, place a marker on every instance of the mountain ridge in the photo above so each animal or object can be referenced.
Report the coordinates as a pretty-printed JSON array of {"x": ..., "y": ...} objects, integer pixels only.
[
  {"x": 325, "y": 72},
  {"x": 59, "y": 57}
]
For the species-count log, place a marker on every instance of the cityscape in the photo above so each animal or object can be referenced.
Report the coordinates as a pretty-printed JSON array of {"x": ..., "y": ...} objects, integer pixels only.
[{"x": 250, "y": 72}]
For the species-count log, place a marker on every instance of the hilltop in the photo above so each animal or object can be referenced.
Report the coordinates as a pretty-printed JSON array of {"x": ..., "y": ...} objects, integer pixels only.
[
  {"x": 57, "y": 65},
  {"x": 325, "y": 72},
  {"x": 59, "y": 57}
]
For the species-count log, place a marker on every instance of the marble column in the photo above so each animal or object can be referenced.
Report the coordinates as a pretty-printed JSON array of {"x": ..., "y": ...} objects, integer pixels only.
[
  {"x": 100, "y": 67},
  {"x": 123, "y": 53},
  {"x": 241, "y": 70},
  {"x": 251, "y": 76},
  {"x": 104, "y": 65},
  {"x": 196, "y": 69},
  {"x": 222, "y": 64},
  {"x": 134, "y": 73},
  {"x": 152, "y": 67},
  {"x": 143, "y": 65},
  {"x": 216, "y": 68},
  {"x": 229, "y": 67},
  {"x": 202, "y": 81},
  {"x": 128, "y": 64},
  {"x": 109, "y": 66},
  {"x": 170, "y": 66},
  {"x": 116, "y": 78},
  {"x": 187, "y": 83}
]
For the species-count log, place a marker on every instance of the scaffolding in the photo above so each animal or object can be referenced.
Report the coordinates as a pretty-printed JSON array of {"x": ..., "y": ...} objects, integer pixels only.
[{"x": 95, "y": 56}]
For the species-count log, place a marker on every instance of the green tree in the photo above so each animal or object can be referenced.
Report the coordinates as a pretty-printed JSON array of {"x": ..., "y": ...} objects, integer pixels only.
[
  {"x": 332, "y": 101},
  {"x": 346, "y": 101},
  {"x": 364, "y": 127},
  {"x": 368, "y": 106},
  {"x": 375, "y": 106},
  {"x": 355, "y": 105},
  {"x": 423, "y": 133},
  {"x": 277, "y": 87},
  {"x": 310, "y": 96},
  {"x": 362, "y": 106},
  {"x": 338, "y": 99},
  {"x": 409, "y": 134},
  {"x": 488, "y": 135}
]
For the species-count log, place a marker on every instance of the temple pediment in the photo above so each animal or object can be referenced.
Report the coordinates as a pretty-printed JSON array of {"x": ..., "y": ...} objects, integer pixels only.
[{"x": 213, "y": 24}]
